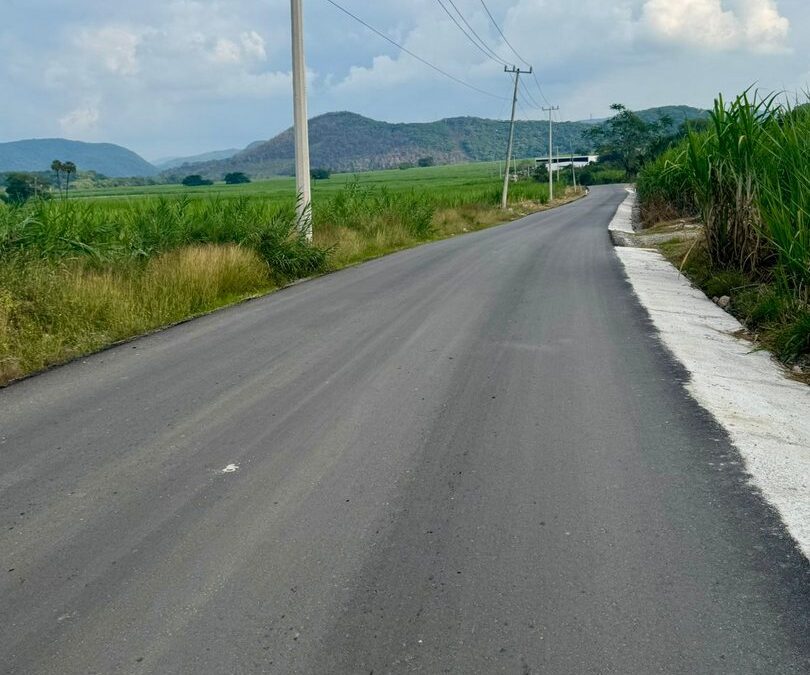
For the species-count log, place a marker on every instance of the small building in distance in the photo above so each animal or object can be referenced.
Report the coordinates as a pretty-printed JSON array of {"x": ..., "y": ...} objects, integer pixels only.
[{"x": 562, "y": 161}]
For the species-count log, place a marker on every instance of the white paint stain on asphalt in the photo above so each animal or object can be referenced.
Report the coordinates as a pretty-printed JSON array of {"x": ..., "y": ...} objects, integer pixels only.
[
  {"x": 764, "y": 412},
  {"x": 231, "y": 468}
]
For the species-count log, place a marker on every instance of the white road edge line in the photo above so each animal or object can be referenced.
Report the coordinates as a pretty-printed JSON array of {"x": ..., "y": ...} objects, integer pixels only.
[{"x": 766, "y": 415}]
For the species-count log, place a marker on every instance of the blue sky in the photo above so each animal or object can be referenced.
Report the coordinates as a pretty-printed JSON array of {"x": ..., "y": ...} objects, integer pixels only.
[{"x": 174, "y": 77}]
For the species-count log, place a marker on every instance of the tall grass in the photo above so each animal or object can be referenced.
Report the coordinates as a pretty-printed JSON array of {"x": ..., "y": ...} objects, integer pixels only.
[
  {"x": 108, "y": 232},
  {"x": 748, "y": 177},
  {"x": 663, "y": 188},
  {"x": 53, "y": 310}
]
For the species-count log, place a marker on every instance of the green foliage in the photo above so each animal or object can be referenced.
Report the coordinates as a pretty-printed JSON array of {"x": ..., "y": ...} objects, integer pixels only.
[
  {"x": 425, "y": 161},
  {"x": 599, "y": 174},
  {"x": 20, "y": 187},
  {"x": 195, "y": 180},
  {"x": 628, "y": 140},
  {"x": 320, "y": 174},
  {"x": 236, "y": 178}
]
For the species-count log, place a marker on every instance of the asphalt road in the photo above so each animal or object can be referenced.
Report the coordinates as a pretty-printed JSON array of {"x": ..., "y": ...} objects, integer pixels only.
[{"x": 470, "y": 457}]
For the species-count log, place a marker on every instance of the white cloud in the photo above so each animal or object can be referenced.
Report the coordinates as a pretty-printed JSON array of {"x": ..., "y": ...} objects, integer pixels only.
[
  {"x": 755, "y": 25},
  {"x": 81, "y": 121},
  {"x": 113, "y": 46},
  {"x": 226, "y": 51},
  {"x": 765, "y": 29},
  {"x": 253, "y": 46},
  {"x": 249, "y": 48}
]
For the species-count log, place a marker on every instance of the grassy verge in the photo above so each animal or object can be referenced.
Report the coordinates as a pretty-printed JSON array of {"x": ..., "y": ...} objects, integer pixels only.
[{"x": 77, "y": 277}]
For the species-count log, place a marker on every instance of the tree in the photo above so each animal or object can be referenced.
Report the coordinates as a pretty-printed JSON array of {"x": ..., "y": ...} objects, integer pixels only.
[
  {"x": 195, "y": 180},
  {"x": 627, "y": 140},
  {"x": 68, "y": 168},
  {"x": 57, "y": 167},
  {"x": 236, "y": 178},
  {"x": 20, "y": 187},
  {"x": 320, "y": 174},
  {"x": 425, "y": 161}
]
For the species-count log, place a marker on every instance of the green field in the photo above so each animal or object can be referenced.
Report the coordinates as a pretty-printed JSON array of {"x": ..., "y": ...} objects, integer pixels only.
[{"x": 433, "y": 179}]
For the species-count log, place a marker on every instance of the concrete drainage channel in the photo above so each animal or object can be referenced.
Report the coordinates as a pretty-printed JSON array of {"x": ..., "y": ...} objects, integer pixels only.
[{"x": 764, "y": 412}]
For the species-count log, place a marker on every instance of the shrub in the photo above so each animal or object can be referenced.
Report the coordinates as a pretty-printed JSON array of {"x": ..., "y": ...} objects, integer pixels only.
[
  {"x": 195, "y": 180},
  {"x": 236, "y": 178}
]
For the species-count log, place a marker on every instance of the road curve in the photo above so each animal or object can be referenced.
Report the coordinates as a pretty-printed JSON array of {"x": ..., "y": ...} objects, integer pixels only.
[{"x": 470, "y": 457}]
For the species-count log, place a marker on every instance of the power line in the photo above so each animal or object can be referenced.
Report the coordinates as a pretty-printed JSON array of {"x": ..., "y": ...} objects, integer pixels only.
[
  {"x": 481, "y": 47},
  {"x": 412, "y": 54},
  {"x": 514, "y": 51},
  {"x": 480, "y": 39},
  {"x": 540, "y": 89},
  {"x": 530, "y": 100},
  {"x": 498, "y": 28}
]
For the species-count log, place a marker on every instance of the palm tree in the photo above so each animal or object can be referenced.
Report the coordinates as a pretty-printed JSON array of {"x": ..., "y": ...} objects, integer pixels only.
[
  {"x": 57, "y": 167},
  {"x": 68, "y": 168}
]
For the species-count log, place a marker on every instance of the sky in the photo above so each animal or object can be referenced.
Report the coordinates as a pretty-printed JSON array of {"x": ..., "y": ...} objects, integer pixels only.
[{"x": 178, "y": 77}]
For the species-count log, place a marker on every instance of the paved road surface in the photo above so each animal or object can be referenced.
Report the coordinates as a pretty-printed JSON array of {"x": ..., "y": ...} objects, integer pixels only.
[{"x": 470, "y": 457}]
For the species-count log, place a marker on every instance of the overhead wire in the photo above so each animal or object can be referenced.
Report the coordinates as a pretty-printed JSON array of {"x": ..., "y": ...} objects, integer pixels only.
[
  {"x": 528, "y": 96},
  {"x": 412, "y": 54},
  {"x": 515, "y": 52},
  {"x": 498, "y": 28},
  {"x": 481, "y": 47},
  {"x": 483, "y": 42}
]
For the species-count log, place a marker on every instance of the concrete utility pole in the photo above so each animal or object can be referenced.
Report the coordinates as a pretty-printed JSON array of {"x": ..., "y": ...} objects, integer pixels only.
[
  {"x": 517, "y": 72},
  {"x": 558, "y": 164},
  {"x": 573, "y": 171},
  {"x": 550, "y": 110},
  {"x": 299, "y": 73}
]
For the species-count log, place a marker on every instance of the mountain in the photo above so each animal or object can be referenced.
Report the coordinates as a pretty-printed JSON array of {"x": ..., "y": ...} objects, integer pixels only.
[
  {"x": 344, "y": 141},
  {"x": 105, "y": 158},
  {"x": 174, "y": 162}
]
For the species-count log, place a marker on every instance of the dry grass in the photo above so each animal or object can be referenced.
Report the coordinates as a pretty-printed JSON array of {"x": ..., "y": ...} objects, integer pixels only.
[{"x": 51, "y": 313}]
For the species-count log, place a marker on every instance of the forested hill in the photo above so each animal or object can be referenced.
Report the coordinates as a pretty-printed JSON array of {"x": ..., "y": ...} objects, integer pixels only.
[
  {"x": 104, "y": 158},
  {"x": 344, "y": 141}
]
